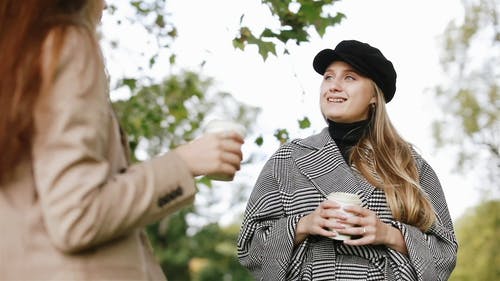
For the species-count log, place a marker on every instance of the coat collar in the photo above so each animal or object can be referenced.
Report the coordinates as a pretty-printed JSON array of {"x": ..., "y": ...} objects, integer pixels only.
[
  {"x": 316, "y": 141},
  {"x": 322, "y": 163}
]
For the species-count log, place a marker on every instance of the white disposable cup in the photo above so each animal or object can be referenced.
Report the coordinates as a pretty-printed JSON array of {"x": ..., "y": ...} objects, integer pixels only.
[
  {"x": 344, "y": 199},
  {"x": 218, "y": 126}
]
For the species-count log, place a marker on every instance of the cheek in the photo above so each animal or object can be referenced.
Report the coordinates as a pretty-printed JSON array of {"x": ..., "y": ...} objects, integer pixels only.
[
  {"x": 364, "y": 95},
  {"x": 322, "y": 104},
  {"x": 322, "y": 89},
  {"x": 321, "y": 92}
]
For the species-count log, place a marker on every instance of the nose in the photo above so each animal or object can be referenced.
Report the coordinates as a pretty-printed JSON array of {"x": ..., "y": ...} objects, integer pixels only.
[{"x": 334, "y": 85}]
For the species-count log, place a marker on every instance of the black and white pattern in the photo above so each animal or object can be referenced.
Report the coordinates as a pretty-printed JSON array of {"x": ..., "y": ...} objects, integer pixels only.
[{"x": 293, "y": 183}]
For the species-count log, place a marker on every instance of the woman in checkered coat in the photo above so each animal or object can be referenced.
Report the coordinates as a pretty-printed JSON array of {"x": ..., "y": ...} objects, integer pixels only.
[{"x": 401, "y": 231}]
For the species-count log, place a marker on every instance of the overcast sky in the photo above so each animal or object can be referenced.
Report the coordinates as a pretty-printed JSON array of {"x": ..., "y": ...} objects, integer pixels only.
[{"x": 287, "y": 88}]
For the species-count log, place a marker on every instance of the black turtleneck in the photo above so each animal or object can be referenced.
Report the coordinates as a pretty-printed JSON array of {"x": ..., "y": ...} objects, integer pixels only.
[{"x": 346, "y": 135}]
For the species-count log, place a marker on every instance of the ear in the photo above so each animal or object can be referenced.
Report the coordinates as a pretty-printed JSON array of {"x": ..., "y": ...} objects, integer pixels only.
[{"x": 373, "y": 100}]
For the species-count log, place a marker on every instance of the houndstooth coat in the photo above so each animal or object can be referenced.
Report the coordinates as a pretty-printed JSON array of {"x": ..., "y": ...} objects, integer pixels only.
[{"x": 294, "y": 181}]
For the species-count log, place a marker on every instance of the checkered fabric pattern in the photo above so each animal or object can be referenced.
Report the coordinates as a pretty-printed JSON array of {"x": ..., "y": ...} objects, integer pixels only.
[{"x": 294, "y": 181}]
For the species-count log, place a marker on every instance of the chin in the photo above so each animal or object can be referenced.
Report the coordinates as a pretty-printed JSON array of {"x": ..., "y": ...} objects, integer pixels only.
[{"x": 333, "y": 116}]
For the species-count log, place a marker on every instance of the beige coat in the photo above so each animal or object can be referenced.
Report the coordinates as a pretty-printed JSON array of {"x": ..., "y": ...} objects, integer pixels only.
[{"x": 75, "y": 209}]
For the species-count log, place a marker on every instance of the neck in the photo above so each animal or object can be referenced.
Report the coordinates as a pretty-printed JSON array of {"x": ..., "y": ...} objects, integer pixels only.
[{"x": 347, "y": 135}]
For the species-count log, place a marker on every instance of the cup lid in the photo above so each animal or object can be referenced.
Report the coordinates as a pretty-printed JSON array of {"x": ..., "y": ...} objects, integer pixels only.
[
  {"x": 345, "y": 197},
  {"x": 218, "y": 125}
]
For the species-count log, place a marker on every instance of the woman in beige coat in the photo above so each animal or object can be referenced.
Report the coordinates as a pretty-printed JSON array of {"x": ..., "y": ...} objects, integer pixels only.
[{"x": 71, "y": 208}]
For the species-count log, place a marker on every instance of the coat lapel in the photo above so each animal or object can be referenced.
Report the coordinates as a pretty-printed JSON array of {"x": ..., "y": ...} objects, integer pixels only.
[{"x": 322, "y": 163}]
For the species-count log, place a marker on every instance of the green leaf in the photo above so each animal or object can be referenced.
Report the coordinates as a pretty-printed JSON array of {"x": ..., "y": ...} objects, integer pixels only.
[
  {"x": 205, "y": 181},
  {"x": 160, "y": 21},
  {"x": 245, "y": 33},
  {"x": 304, "y": 123},
  {"x": 131, "y": 83},
  {"x": 265, "y": 48},
  {"x": 267, "y": 33},
  {"x": 238, "y": 43},
  {"x": 310, "y": 10},
  {"x": 172, "y": 58},
  {"x": 152, "y": 60},
  {"x": 259, "y": 141},
  {"x": 282, "y": 135}
]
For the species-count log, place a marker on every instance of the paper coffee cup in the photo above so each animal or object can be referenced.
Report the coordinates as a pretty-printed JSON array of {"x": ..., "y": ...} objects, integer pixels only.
[
  {"x": 217, "y": 126},
  {"x": 344, "y": 199}
]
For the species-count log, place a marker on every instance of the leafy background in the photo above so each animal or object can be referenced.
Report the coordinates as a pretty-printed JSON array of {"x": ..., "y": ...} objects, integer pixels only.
[{"x": 162, "y": 108}]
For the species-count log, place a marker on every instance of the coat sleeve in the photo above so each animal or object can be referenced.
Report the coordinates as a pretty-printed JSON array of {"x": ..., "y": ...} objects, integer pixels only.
[
  {"x": 433, "y": 253},
  {"x": 84, "y": 203},
  {"x": 266, "y": 240}
]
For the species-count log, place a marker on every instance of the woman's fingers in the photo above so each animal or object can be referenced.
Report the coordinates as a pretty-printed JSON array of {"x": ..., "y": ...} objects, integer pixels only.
[
  {"x": 213, "y": 153},
  {"x": 329, "y": 204},
  {"x": 365, "y": 227},
  {"x": 328, "y": 220},
  {"x": 357, "y": 210}
]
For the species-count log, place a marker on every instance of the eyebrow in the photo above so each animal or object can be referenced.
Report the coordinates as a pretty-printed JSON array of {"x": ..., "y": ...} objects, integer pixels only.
[{"x": 347, "y": 70}]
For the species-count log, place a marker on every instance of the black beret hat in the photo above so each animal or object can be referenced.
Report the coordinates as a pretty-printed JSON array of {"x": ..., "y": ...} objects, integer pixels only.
[{"x": 368, "y": 60}]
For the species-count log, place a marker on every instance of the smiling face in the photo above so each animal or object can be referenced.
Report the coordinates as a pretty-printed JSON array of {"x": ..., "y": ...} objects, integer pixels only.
[{"x": 345, "y": 95}]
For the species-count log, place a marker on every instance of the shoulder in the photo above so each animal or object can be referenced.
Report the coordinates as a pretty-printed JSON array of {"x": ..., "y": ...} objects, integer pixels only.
[
  {"x": 72, "y": 65},
  {"x": 68, "y": 39},
  {"x": 69, "y": 46},
  {"x": 286, "y": 150},
  {"x": 423, "y": 167},
  {"x": 73, "y": 76},
  {"x": 314, "y": 142},
  {"x": 300, "y": 146}
]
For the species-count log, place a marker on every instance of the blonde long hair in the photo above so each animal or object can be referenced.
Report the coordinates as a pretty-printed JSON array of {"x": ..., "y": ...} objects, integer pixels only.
[{"x": 386, "y": 161}]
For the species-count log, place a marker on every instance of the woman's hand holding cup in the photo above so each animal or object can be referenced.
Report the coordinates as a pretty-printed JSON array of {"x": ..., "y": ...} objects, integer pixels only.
[{"x": 217, "y": 153}]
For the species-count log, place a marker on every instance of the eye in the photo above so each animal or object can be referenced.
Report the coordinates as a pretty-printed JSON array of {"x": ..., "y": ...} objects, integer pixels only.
[
  {"x": 328, "y": 76},
  {"x": 349, "y": 77}
]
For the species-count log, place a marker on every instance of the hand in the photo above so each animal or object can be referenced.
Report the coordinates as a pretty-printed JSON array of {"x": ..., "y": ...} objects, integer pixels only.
[
  {"x": 213, "y": 153},
  {"x": 322, "y": 221},
  {"x": 365, "y": 223}
]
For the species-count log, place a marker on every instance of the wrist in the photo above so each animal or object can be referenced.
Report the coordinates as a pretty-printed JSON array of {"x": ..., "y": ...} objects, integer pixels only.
[
  {"x": 300, "y": 231},
  {"x": 389, "y": 235},
  {"x": 394, "y": 239},
  {"x": 183, "y": 153}
]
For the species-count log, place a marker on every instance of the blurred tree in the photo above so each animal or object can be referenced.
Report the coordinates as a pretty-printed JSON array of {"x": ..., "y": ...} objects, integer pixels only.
[
  {"x": 477, "y": 232},
  {"x": 162, "y": 115},
  {"x": 470, "y": 106},
  {"x": 159, "y": 114},
  {"x": 470, "y": 98},
  {"x": 209, "y": 254}
]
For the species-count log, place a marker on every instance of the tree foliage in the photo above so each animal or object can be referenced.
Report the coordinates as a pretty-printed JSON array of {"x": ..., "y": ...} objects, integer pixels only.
[
  {"x": 296, "y": 18},
  {"x": 470, "y": 99},
  {"x": 161, "y": 116},
  {"x": 210, "y": 254},
  {"x": 477, "y": 233}
]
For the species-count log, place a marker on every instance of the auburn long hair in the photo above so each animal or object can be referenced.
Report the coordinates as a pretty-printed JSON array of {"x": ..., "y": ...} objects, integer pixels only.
[
  {"x": 24, "y": 26},
  {"x": 386, "y": 161}
]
